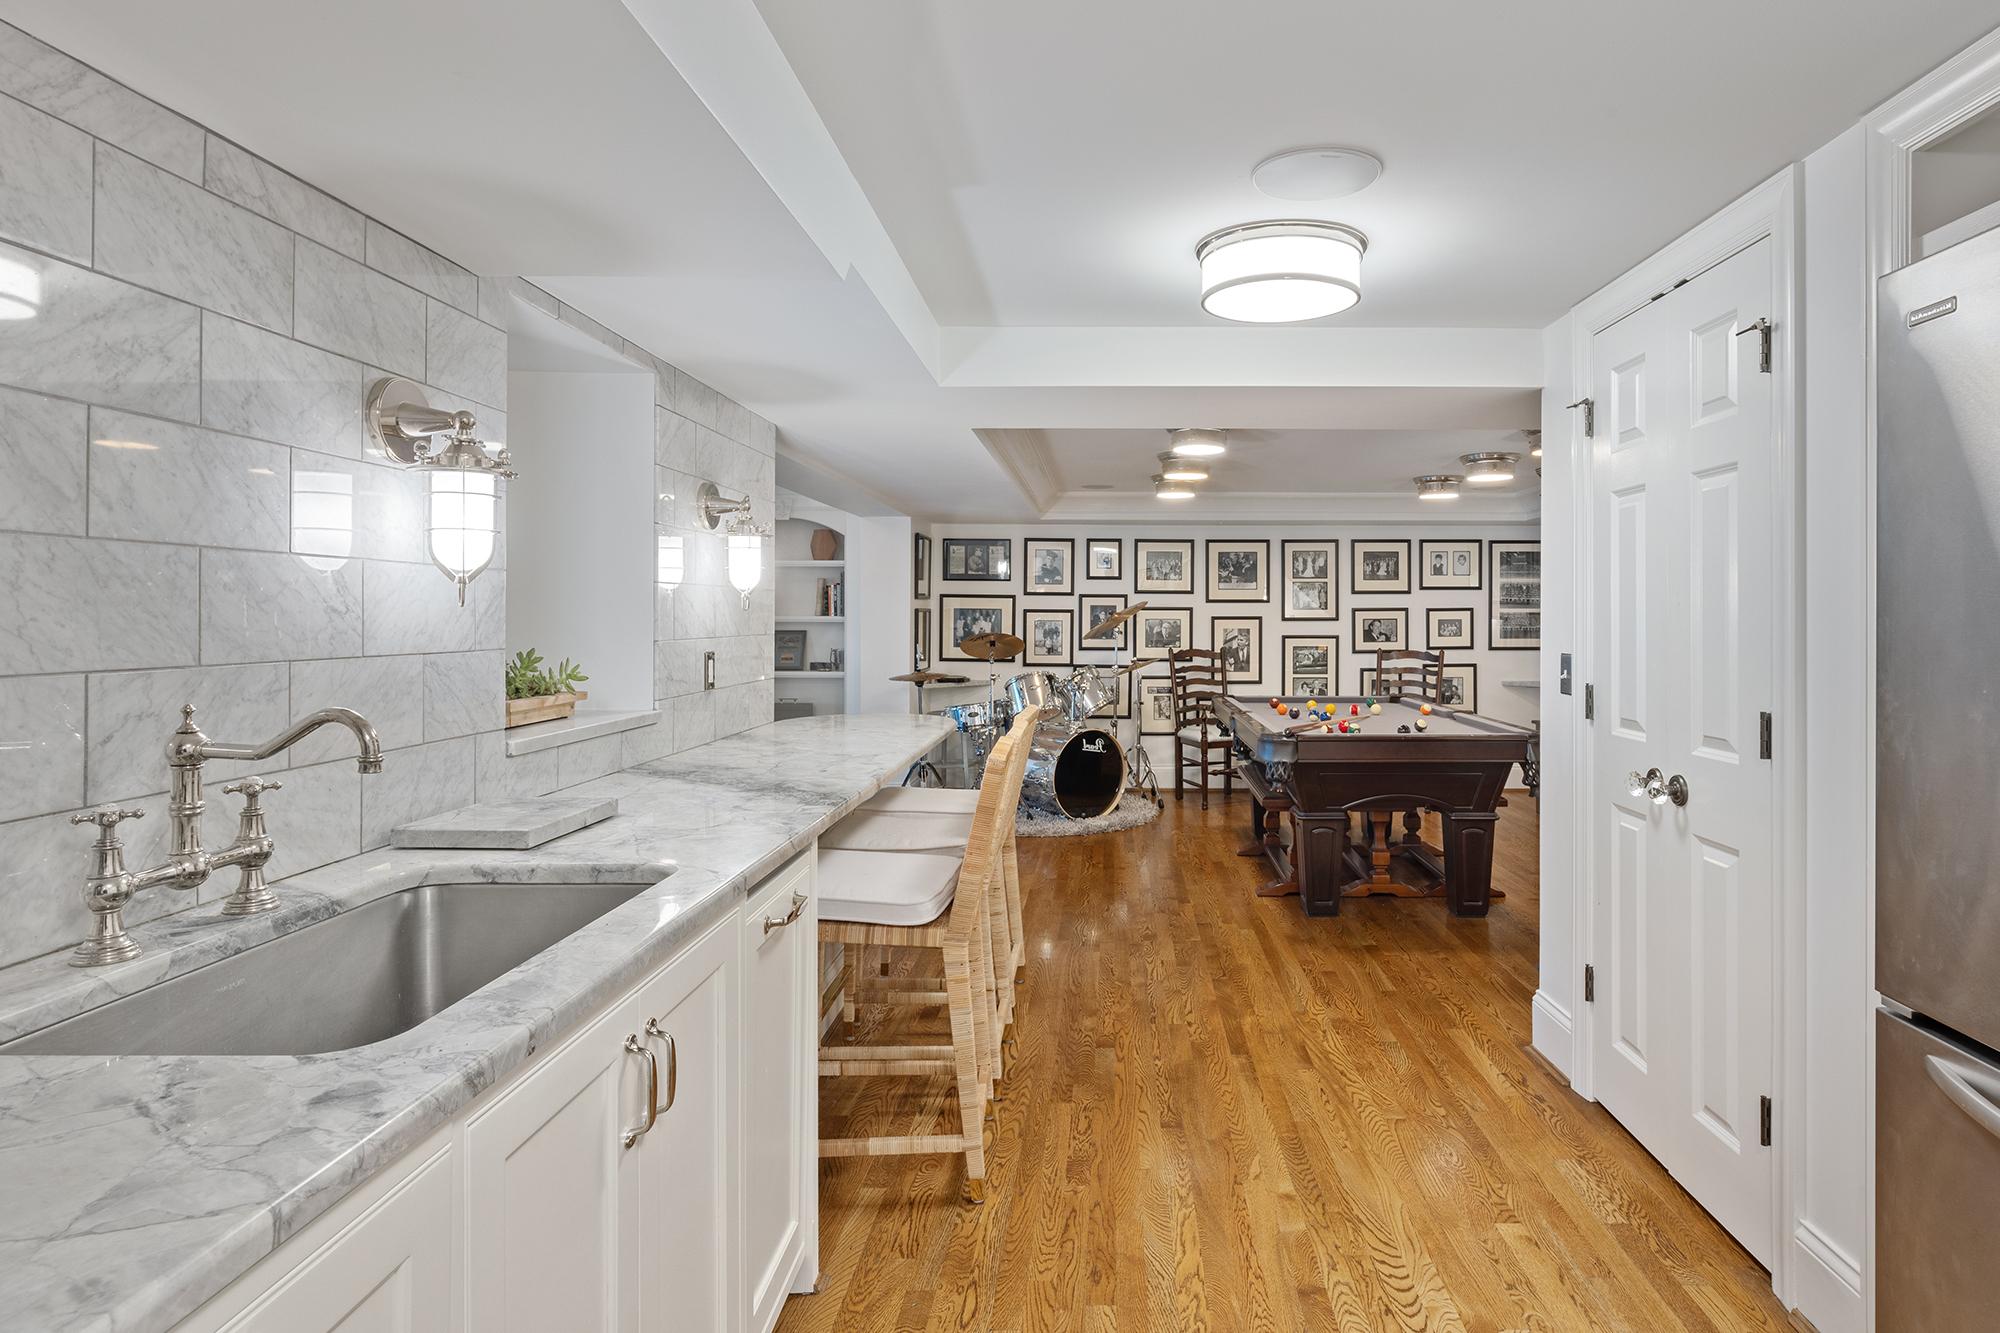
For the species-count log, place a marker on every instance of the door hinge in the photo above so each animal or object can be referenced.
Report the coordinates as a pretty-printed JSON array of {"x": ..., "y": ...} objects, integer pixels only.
[
  {"x": 1762, "y": 328},
  {"x": 1763, "y": 735},
  {"x": 1589, "y": 984},
  {"x": 1589, "y": 416},
  {"x": 1763, "y": 1122},
  {"x": 1589, "y": 702}
]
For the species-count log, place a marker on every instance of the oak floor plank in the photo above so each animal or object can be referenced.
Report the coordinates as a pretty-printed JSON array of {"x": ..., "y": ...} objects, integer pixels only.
[{"x": 1219, "y": 1114}]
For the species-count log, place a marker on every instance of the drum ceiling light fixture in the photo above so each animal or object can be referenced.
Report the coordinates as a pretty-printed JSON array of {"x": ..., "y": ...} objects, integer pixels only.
[
  {"x": 1176, "y": 468},
  {"x": 1489, "y": 469},
  {"x": 1171, "y": 490},
  {"x": 1438, "y": 486},
  {"x": 1280, "y": 272},
  {"x": 1197, "y": 442}
]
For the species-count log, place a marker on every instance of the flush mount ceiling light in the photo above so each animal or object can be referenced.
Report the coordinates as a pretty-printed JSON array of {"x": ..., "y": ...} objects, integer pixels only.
[
  {"x": 1175, "y": 468},
  {"x": 1489, "y": 469},
  {"x": 1171, "y": 490},
  {"x": 1280, "y": 272},
  {"x": 462, "y": 518},
  {"x": 1325, "y": 172},
  {"x": 1192, "y": 442},
  {"x": 1439, "y": 486},
  {"x": 1534, "y": 443}
]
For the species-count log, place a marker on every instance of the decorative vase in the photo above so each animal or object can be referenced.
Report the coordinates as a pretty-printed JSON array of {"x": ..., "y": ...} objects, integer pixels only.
[{"x": 824, "y": 543}]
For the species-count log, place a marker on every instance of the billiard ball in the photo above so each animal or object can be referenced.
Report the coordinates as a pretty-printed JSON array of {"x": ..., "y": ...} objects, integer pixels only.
[
  {"x": 1282, "y": 710},
  {"x": 1276, "y": 705},
  {"x": 1312, "y": 705},
  {"x": 1374, "y": 707},
  {"x": 1425, "y": 709},
  {"x": 1343, "y": 728},
  {"x": 1403, "y": 730},
  {"x": 1423, "y": 724},
  {"x": 1354, "y": 710}
]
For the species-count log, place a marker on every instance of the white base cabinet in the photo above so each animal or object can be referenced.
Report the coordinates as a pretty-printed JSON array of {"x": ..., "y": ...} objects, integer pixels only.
[{"x": 654, "y": 1172}]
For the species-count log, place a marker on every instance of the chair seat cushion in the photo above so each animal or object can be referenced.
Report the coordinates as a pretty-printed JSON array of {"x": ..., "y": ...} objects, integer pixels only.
[
  {"x": 885, "y": 888},
  {"x": 1193, "y": 736},
  {"x": 898, "y": 831},
  {"x": 932, "y": 800}
]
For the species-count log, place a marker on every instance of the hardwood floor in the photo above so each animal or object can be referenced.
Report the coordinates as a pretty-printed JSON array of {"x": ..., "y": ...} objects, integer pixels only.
[{"x": 1222, "y": 1115}]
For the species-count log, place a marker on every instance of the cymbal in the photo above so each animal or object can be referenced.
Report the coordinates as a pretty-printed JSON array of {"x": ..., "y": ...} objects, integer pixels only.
[
  {"x": 992, "y": 647},
  {"x": 1109, "y": 625},
  {"x": 1137, "y": 664},
  {"x": 931, "y": 678}
]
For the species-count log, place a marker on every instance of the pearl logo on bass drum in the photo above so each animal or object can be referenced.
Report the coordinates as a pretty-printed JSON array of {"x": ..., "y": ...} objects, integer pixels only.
[{"x": 1093, "y": 745}]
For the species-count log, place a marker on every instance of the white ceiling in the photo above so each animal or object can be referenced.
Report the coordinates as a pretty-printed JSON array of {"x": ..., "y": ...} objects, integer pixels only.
[
  {"x": 902, "y": 231},
  {"x": 1344, "y": 462}
]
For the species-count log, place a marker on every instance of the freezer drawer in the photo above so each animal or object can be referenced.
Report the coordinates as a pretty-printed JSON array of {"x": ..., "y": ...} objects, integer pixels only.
[{"x": 1937, "y": 1181}]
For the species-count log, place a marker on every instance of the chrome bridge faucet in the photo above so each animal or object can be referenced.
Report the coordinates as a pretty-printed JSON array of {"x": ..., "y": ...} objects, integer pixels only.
[{"x": 188, "y": 865}]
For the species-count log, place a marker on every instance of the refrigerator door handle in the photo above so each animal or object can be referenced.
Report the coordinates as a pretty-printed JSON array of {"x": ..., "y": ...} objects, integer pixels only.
[{"x": 1969, "y": 1099}]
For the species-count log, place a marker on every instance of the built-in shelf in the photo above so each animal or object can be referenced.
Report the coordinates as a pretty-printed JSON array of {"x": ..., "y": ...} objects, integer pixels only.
[
  {"x": 810, "y": 675},
  {"x": 579, "y": 726},
  {"x": 812, "y": 620},
  {"x": 1522, "y": 684},
  {"x": 812, "y": 564}
]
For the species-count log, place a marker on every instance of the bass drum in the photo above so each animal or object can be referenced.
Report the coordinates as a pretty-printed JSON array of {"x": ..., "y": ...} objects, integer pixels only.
[{"x": 1072, "y": 773}]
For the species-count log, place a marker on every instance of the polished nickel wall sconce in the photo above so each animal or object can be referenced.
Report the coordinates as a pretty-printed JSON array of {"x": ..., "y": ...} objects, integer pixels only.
[
  {"x": 462, "y": 514},
  {"x": 745, "y": 537}
]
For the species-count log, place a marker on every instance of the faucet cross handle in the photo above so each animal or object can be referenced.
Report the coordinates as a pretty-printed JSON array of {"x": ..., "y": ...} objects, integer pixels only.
[
  {"x": 251, "y": 788},
  {"x": 106, "y": 817}
]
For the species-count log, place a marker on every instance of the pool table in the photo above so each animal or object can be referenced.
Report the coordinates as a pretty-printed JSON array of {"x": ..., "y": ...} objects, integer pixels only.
[{"x": 1457, "y": 765}]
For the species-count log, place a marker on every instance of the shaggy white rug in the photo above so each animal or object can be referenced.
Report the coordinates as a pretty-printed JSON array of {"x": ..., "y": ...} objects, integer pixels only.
[{"x": 1134, "y": 809}]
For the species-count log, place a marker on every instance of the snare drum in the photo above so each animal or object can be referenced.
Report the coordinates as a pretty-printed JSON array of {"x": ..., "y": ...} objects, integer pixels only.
[
  {"x": 1036, "y": 689},
  {"x": 1090, "y": 690},
  {"x": 977, "y": 718}
]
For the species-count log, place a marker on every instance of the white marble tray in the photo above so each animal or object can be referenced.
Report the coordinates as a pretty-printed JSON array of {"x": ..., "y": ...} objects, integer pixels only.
[{"x": 511, "y": 825}]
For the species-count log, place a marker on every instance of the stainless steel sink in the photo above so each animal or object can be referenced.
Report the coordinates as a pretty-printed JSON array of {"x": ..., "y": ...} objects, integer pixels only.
[{"x": 356, "y": 978}]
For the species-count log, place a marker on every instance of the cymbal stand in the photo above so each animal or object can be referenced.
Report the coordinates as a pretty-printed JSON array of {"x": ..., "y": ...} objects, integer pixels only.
[
  {"x": 1139, "y": 774},
  {"x": 923, "y": 769}
]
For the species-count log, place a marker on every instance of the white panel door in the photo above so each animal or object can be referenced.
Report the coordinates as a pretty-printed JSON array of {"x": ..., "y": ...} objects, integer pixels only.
[{"x": 1682, "y": 638}]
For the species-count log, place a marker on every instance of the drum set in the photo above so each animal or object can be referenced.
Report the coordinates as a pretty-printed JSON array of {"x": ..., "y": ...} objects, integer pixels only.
[{"x": 1076, "y": 767}]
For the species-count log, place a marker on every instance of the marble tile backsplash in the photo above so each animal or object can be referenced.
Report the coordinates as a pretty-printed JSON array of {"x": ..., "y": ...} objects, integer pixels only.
[{"x": 206, "y": 328}]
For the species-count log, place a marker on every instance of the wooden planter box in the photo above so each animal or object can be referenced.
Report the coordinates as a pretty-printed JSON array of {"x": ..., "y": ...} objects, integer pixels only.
[{"x": 542, "y": 708}]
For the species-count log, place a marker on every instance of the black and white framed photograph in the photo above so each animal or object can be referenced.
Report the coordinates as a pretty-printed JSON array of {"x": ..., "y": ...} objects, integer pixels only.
[
  {"x": 1051, "y": 635},
  {"x": 1092, "y": 610},
  {"x": 1459, "y": 688},
  {"x": 1104, "y": 558},
  {"x": 1515, "y": 577},
  {"x": 1240, "y": 640},
  {"x": 969, "y": 615},
  {"x": 1239, "y": 571},
  {"x": 1381, "y": 629},
  {"x": 978, "y": 560},
  {"x": 1453, "y": 564},
  {"x": 1050, "y": 564},
  {"x": 788, "y": 650},
  {"x": 1310, "y": 590},
  {"x": 1163, "y": 630},
  {"x": 920, "y": 635},
  {"x": 920, "y": 567},
  {"x": 1156, "y": 706},
  {"x": 1310, "y": 665},
  {"x": 1448, "y": 627},
  {"x": 1162, "y": 566},
  {"x": 1379, "y": 566},
  {"x": 1123, "y": 708}
]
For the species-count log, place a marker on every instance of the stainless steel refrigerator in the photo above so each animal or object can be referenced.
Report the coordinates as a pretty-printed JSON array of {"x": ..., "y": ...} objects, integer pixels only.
[{"x": 1937, "y": 808}]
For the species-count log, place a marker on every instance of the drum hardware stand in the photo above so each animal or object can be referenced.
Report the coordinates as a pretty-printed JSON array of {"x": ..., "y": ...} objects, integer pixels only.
[{"x": 1139, "y": 775}]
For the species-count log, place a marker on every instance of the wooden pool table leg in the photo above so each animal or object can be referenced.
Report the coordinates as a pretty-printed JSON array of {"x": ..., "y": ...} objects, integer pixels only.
[
  {"x": 1468, "y": 860},
  {"x": 1318, "y": 854},
  {"x": 1266, "y": 842}
]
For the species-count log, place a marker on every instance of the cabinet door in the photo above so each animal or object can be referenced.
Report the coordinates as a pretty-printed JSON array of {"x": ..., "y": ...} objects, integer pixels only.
[
  {"x": 780, "y": 1093},
  {"x": 683, "y": 1242},
  {"x": 389, "y": 1271},
  {"x": 547, "y": 1173}
]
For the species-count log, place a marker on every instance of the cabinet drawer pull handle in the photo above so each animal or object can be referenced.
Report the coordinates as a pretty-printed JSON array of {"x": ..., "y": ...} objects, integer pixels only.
[
  {"x": 653, "y": 1029},
  {"x": 637, "y": 1132},
  {"x": 772, "y": 923}
]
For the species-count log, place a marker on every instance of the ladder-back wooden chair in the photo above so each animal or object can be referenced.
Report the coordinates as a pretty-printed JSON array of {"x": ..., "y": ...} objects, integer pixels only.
[
  {"x": 1409, "y": 674},
  {"x": 1200, "y": 678},
  {"x": 921, "y": 900}
]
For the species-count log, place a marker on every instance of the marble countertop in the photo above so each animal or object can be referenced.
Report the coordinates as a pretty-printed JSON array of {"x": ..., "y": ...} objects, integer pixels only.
[{"x": 136, "y": 1188}]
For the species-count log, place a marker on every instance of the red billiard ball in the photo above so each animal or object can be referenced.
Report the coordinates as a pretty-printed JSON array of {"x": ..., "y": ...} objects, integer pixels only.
[
  {"x": 1354, "y": 710},
  {"x": 1277, "y": 705},
  {"x": 1343, "y": 727}
]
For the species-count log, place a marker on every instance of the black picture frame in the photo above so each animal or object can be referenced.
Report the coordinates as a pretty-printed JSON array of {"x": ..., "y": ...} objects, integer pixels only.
[
  {"x": 1467, "y": 675},
  {"x": 1147, "y": 689},
  {"x": 1091, "y": 547},
  {"x": 1184, "y": 613},
  {"x": 1450, "y": 578},
  {"x": 1259, "y": 548},
  {"x": 1359, "y": 637},
  {"x": 1329, "y": 578},
  {"x": 1466, "y": 643},
  {"x": 920, "y": 638},
  {"x": 920, "y": 567},
  {"x": 1361, "y": 550},
  {"x": 1514, "y": 597},
  {"x": 788, "y": 650},
  {"x": 1119, "y": 641},
  {"x": 1220, "y": 630},
  {"x": 1030, "y": 655},
  {"x": 1031, "y": 549},
  {"x": 1288, "y": 678},
  {"x": 949, "y": 603},
  {"x": 1145, "y": 546},
  {"x": 981, "y": 554}
]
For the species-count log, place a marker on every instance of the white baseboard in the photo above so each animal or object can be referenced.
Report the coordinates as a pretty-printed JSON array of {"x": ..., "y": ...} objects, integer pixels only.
[
  {"x": 1553, "y": 1032},
  {"x": 1826, "y": 1283}
]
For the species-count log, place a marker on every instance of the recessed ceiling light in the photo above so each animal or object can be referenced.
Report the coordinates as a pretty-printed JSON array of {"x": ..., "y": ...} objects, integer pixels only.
[
  {"x": 1439, "y": 486},
  {"x": 1191, "y": 442},
  {"x": 1489, "y": 469},
  {"x": 1280, "y": 272},
  {"x": 1171, "y": 490},
  {"x": 1175, "y": 468},
  {"x": 1324, "y": 172}
]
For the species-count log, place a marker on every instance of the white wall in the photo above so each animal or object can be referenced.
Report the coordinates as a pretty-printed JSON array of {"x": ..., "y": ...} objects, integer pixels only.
[
  {"x": 878, "y": 629},
  {"x": 580, "y": 529}
]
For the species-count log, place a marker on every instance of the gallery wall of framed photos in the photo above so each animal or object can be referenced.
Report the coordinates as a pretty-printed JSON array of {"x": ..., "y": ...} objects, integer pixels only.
[{"x": 1264, "y": 593}]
